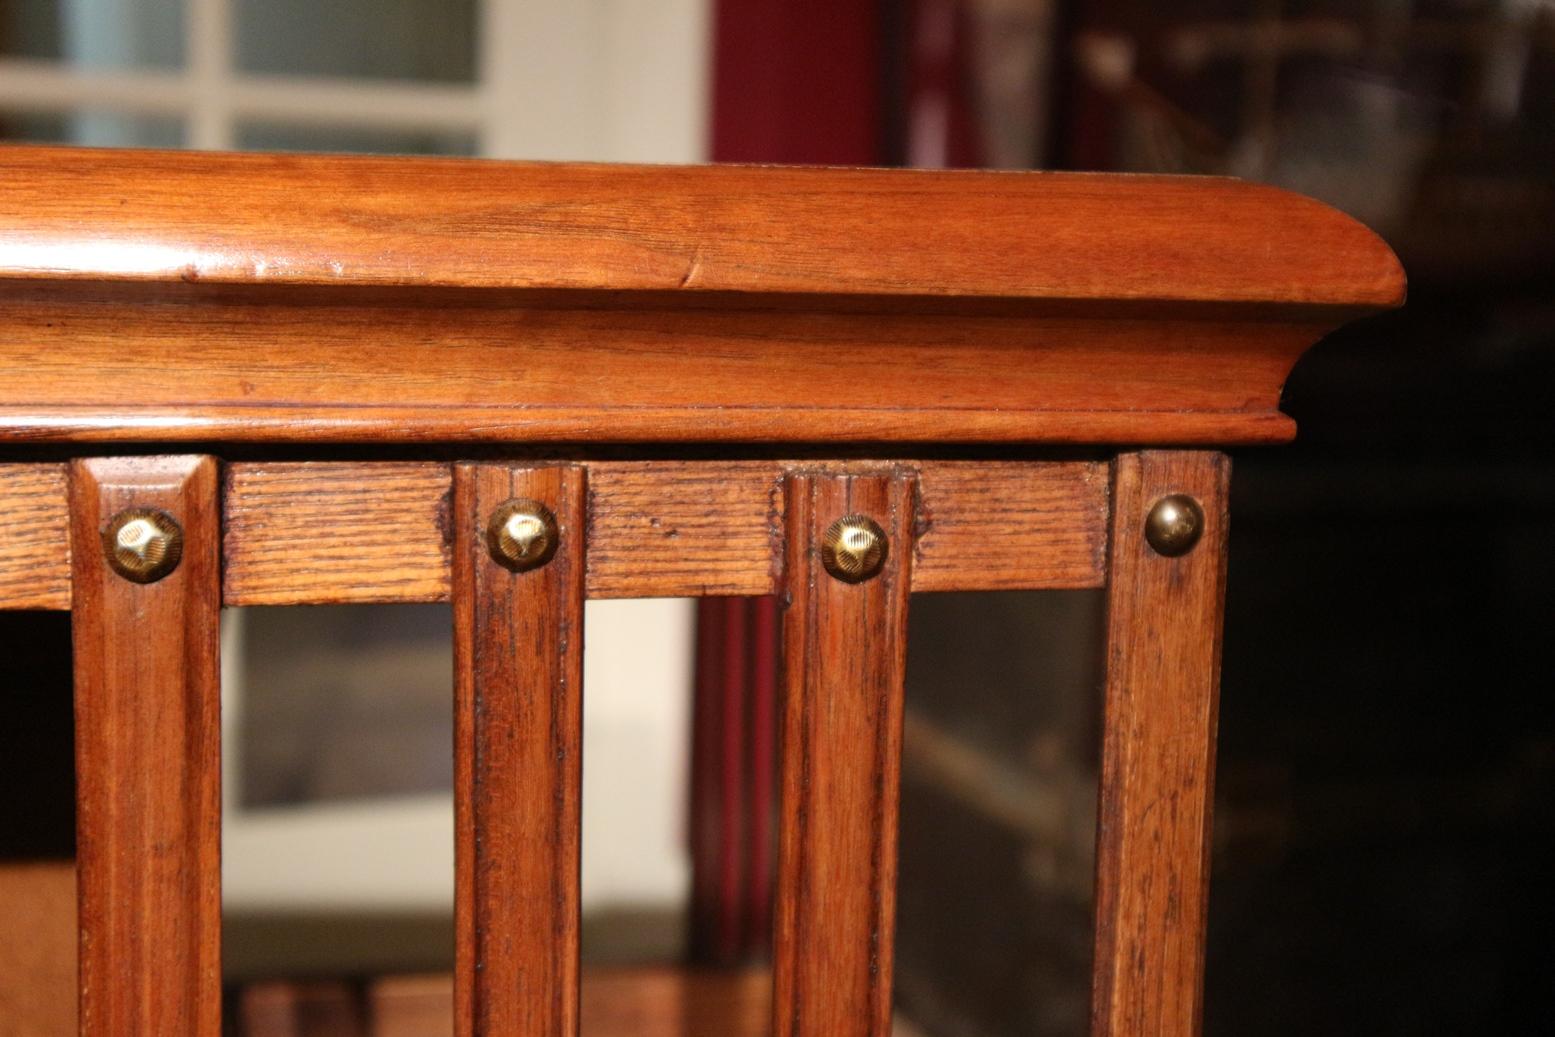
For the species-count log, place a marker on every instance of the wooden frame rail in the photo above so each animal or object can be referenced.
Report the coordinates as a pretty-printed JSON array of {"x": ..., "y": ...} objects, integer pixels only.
[{"x": 310, "y": 533}]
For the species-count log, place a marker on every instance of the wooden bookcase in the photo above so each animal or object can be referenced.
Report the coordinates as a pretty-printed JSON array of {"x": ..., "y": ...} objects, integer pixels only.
[{"x": 242, "y": 380}]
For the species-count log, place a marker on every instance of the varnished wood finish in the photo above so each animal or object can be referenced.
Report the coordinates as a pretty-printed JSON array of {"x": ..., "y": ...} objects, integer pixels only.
[
  {"x": 34, "y": 537},
  {"x": 844, "y": 657},
  {"x": 169, "y": 217},
  {"x": 406, "y": 299},
  {"x": 357, "y": 532},
  {"x": 518, "y": 660},
  {"x": 148, "y": 758},
  {"x": 1162, "y": 691},
  {"x": 330, "y": 533},
  {"x": 502, "y": 373}
]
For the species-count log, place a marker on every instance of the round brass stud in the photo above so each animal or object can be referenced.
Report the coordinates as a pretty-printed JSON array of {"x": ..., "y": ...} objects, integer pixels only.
[
  {"x": 143, "y": 545},
  {"x": 521, "y": 535},
  {"x": 854, "y": 548},
  {"x": 1174, "y": 525}
]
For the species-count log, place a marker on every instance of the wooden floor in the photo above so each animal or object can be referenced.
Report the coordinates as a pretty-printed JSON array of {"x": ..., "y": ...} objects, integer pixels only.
[
  {"x": 37, "y": 987},
  {"x": 650, "y": 1002}
]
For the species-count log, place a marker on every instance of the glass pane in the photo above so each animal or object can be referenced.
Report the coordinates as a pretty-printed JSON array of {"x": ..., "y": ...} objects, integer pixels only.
[
  {"x": 93, "y": 128},
  {"x": 345, "y": 702},
  {"x": 385, "y": 39},
  {"x": 37, "y": 825},
  {"x": 337, "y": 821},
  {"x": 37, "y": 740},
  {"x": 338, "y": 834},
  {"x": 95, "y": 33},
  {"x": 998, "y": 814},
  {"x": 367, "y": 140}
]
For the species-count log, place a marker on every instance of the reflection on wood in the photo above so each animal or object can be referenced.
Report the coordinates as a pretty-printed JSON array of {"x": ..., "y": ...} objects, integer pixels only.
[{"x": 638, "y": 1002}]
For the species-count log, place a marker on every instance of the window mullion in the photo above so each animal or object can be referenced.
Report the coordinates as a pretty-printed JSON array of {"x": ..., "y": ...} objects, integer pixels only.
[{"x": 210, "y": 113}]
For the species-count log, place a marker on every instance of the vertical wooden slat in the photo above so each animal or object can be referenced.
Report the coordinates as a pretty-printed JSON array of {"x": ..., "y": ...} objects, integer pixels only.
[
  {"x": 1162, "y": 690},
  {"x": 518, "y": 652},
  {"x": 148, "y": 757},
  {"x": 844, "y": 649}
]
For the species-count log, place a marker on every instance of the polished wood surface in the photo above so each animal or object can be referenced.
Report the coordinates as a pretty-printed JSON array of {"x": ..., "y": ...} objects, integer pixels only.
[
  {"x": 323, "y": 532},
  {"x": 148, "y": 758},
  {"x": 844, "y": 661},
  {"x": 292, "y": 298},
  {"x": 335, "y": 221},
  {"x": 518, "y": 721},
  {"x": 285, "y": 368},
  {"x": 1158, "y": 752}
]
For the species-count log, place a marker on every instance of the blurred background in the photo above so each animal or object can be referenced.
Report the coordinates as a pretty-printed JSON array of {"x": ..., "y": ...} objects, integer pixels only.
[{"x": 1385, "y": 817}]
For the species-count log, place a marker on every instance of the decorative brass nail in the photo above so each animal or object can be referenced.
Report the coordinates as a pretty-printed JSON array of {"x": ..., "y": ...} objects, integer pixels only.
[
  {"x": 522, "y": 535},
  {"x": 143, "y": 544},
  {"x": 854, "y": 548},
  {"x": 1174, "y": 525}
]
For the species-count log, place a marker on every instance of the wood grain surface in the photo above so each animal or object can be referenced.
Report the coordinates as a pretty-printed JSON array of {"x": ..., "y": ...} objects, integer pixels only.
[
  {"x": 285, "y": 369},
  {"x": 231, "y": 219},
  {"x": 336, "y": 533},
  {"x": 518, "y": 722},
  {"x": 844, "y": 658},
  {"x": 34, "y": 537},
  {"x": 148, "y": 758},
  {"x": 323, "y": 532},
  {"x": 205, "y": 298},
  {"x": 1158, "y": 753}
]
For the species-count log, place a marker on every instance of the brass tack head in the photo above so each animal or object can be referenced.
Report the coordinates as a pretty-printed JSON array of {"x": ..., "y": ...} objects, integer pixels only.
[
  {"x": 854, "y": 548},
  {"x": 522, "y": 535},
  {"x": 143, "y": 545},
  {"x": 1174, "y": 525}
]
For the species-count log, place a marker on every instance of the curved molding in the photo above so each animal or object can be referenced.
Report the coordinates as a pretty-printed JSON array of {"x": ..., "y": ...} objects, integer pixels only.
[{"x": 184, "y": 296}]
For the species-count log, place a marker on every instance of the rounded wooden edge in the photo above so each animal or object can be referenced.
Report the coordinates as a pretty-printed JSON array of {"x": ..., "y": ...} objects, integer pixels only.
[
  {"x": 723, "y": 425},
  {"x": 419, "y": 223}
]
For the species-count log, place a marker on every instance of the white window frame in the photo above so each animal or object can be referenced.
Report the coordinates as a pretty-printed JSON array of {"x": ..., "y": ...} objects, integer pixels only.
[{"x": 602, "y": 80}]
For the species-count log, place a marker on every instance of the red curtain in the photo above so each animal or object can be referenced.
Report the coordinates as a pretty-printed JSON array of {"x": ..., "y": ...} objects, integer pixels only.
[{"x": 817, "y": 82}]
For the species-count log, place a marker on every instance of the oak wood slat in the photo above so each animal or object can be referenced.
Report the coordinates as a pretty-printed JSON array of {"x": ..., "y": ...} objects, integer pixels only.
[
  {"x": 148, "y": 758},
  {"x": 328, "y": 532},
  {"x": 35, "y": 545},
  {"x": 518, "y": 651},
  {"x": 844, "y": 656},
  {"x": 321, "y": 532},
  {"x": 656, "y": 529},
  {"x": 1158, "y": 754}
]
